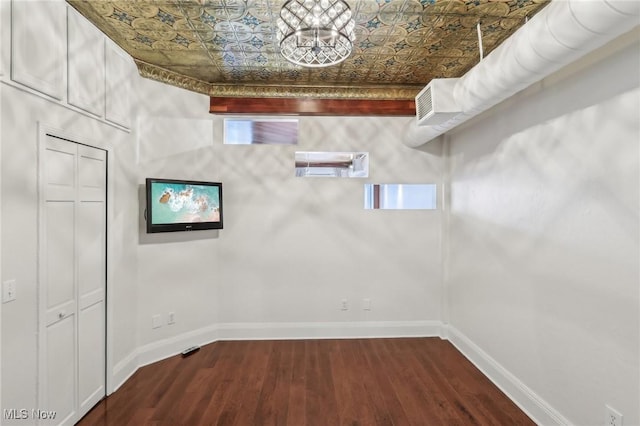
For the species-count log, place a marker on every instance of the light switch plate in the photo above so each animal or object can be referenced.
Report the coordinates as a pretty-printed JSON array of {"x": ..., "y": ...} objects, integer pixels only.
[
  {"x": 8, "y": 291},
  {"x": 156, "y": 321}
]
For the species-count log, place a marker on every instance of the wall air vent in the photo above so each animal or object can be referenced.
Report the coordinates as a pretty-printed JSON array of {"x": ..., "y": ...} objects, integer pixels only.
[{"x": 435, "y": 103}]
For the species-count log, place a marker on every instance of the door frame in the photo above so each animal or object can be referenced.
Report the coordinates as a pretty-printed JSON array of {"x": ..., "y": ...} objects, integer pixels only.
[{"x": 45, "y": 130}]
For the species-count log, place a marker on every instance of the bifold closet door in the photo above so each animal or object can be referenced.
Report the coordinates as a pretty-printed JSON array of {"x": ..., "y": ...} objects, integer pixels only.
[
  {"x": 91, "y": 261},
  {"x": 73, "y": 280}
]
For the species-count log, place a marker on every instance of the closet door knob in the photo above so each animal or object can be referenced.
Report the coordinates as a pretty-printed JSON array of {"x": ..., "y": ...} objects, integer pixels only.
[{"x": 62, "y": 314}]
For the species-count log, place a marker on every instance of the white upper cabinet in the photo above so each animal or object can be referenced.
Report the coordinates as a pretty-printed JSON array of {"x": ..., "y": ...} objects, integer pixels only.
[
  {"x": 86, "y": 67},
  {"x": 38, "y": 56},
  {"x": 119, "y": 76},
  {"x": 52, "y": 49}
]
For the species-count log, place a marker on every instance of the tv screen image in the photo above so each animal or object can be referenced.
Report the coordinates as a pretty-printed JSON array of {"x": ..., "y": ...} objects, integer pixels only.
[{"x": 182, "y": 205}]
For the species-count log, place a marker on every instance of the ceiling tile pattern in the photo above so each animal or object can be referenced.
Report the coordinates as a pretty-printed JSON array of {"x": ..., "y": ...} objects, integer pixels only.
[{"x": 228, "y": 47}]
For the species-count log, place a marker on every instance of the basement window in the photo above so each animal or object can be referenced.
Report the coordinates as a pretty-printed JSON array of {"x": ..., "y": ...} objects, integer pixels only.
[
  {"x": 400, "y": 196},
  {"x": 260, "y": 131},
  {"x": 332, "y": 164}
]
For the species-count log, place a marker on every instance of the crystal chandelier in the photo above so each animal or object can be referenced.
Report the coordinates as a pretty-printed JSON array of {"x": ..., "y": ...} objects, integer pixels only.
[{"x": 316, "y": 33}]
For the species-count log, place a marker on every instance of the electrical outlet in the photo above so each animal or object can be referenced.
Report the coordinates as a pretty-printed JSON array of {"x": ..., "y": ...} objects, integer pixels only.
[
  {"x": 366, "y": 304},
  {"x": 156, "y": 321},
  {"x": 614, "y": 418},
  {"x": 8, "y": 291},
  {"x": 171, "y": 318},
  {"x": 344, "y": 304}
]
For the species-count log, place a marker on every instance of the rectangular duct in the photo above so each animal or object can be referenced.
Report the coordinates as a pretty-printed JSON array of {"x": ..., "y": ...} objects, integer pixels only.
[{"x": 435, "y": 103}]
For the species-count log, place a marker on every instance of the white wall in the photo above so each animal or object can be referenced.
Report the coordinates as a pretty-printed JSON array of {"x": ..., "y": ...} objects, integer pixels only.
[
  {"x": 294, "y": 247},
  {"x": 21, "y": 114},
  {"x": 178, "y": 271},
  {"x": 544, "y": 236},
  {"x": 22, "y": 110},
  {"x": 291, "y": 248}
]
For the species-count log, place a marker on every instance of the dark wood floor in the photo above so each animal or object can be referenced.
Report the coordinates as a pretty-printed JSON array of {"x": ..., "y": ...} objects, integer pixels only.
[{"x": 408, "y": 381}]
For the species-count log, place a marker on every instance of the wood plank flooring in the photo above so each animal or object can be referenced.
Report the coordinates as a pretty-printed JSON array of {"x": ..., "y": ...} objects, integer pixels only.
[{"x": 403, "y": 381}]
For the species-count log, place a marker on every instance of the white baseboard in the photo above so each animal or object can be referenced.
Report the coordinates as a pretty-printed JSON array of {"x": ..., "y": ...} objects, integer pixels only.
[
  {"x": 166, "y": 348},
  {"x": 160, "y": 350},
  {"x": 328, "y": 330},
  {"x": 524, "y": 397},
  {"x": 123, "y": 370}
]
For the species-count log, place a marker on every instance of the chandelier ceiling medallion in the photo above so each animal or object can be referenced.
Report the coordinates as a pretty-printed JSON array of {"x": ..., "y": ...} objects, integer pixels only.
[{"x": 316, "y": 33}]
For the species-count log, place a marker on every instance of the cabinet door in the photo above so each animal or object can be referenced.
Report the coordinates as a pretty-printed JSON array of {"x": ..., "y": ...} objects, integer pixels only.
[
  {"x": 86, "y": 64},
  {"x": 118, "y": 82},
  {"x": 38, "y": 45}
]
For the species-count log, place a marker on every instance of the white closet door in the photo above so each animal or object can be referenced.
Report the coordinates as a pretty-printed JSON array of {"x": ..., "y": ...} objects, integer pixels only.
[
  {"x": 58, "y": 289},
  {"x": 91, "y": 245},
  {"x": 72, "y": 289}
]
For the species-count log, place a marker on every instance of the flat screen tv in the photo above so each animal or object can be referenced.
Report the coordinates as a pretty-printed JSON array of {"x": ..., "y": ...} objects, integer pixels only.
[{"x": 183, "y": 205}]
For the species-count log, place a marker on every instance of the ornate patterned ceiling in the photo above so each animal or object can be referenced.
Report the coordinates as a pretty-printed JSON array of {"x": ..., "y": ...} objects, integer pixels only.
[{"x": 228, "y": 48}]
